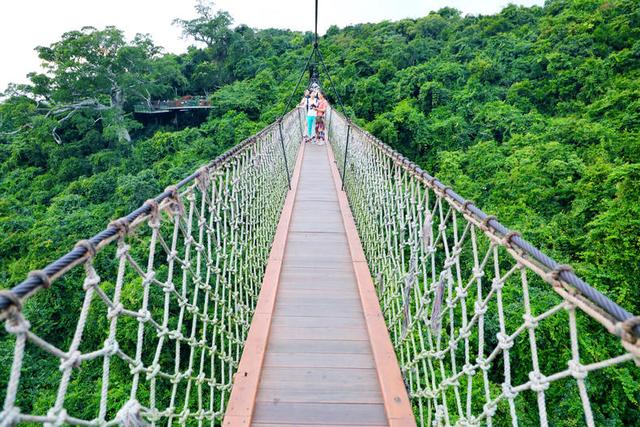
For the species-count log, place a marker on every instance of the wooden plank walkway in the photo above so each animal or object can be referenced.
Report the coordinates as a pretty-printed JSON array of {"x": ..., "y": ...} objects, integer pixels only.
[
  {"x": 317, "y": 365},
  {"x": 318, "y": 323}
]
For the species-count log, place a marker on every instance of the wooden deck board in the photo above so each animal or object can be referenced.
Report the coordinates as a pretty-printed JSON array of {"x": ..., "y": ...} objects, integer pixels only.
[
  {"x": 310, "y": 393},
  {"x": 315, "y": 321},
  {"x": 319, "y": 360},
  {"x": 318, "y": 367},
  {"x": 317, "y": 413},
  {"x": 322, "y": 333}
]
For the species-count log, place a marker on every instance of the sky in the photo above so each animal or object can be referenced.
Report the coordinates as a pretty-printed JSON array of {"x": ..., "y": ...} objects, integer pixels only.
[{"x": 25, "y": 24}]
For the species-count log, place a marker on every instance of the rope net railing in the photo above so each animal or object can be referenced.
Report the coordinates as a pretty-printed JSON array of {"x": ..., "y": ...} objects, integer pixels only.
[
  {"x": 166, "y": 300},
  {"x": 480, "y": 335}
]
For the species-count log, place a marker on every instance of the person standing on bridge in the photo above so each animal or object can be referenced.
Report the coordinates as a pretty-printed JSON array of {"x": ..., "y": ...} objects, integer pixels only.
[
  {"x": 320, "y": 125},
  {"x": 309, "y": 103}
]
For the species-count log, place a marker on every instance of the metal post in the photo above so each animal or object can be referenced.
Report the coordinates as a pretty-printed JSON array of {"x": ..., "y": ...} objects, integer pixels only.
[
  {"x": 284, "y": 153},
  {"x": 346, "y": 150}
]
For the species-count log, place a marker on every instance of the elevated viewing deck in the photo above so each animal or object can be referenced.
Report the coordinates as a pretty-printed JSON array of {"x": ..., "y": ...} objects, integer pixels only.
[
  {"x": 183, "y": 104},
  {"x": 318, "y": 351}
]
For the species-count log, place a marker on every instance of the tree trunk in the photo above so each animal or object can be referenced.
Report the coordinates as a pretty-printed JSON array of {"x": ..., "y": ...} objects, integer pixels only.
[{"x": 117, "y": 103}]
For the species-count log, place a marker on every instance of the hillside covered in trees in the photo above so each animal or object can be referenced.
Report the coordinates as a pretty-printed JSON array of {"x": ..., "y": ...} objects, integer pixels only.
[{"x": 533, "y": 113}]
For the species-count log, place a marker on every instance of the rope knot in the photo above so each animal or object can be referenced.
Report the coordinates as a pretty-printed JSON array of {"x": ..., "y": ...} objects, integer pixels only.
[
  {"x": 60, "y": 416},
  {"x": 122, "y": 249},
  {"x": 121, "y": 225},
  {"x": 10, "y": 417},
  {"x": 149, "y": 277},
  {"x": 485, "y": 222},
  {"x": 16, "y": 323},
  {"x": 88, "y": 246},
  {"x": 440, "y": 355},
  {"x": 92, "y": 279},
  {"x": 177, "y": 208},
  {"x": 469, "y": 369},
  {"x": 505, "y": 342},
  {"x": 144, "y": 316},
  {"x": 136, "y": 369},
  {"x": 169, "y": 287},
  {"x": 175, "y": 335},
  {"x": 465, "y": 205},
  {"x": 154, "y": 212},
  {"x": 483, "y": 364},
  {"x": 497, "y": 284},
  {"x": 507, "y": 391},
  {"x": 490, "y": 408},
  {"x": 111, "y": 347},
  {"x": 153, "y": 372},
  {"x": 480, "y": 308},
  {"x": 530, "y": 322},
  {"x": 15, "y": 303},
  {"x": 448, "y": 263},
  {"x": 538, "y": 381},
  {"x": 203, "y": 179},
  {"x": 506, "y": 241},
  {"x": 129, "y": 415},
  {"x": 625, "y": 329},
  {"x": 115, "y": 311},
  {"x": 201, "y": 378},
  {"x": 465, "y": 333},
  {"x": 554, "y": 275},
  {"x": 72, "y": 361},
  {"x": 41, "y": 275},
  {"x": 577, "y": 370}
]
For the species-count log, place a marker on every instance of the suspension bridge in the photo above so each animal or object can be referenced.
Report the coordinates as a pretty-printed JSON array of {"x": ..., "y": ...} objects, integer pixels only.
[
  {"x": 288, "y": 284},
  {"x": 294, "y": 284}
]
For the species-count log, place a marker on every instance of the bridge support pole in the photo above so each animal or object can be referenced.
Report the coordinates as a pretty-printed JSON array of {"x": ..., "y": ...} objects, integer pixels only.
[
  {"x": 346, "y": 150},
  {"x": 284, "y": 153}
]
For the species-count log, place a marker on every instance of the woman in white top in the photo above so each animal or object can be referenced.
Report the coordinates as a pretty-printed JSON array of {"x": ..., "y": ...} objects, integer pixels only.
[{"x": 309, "y": 102}]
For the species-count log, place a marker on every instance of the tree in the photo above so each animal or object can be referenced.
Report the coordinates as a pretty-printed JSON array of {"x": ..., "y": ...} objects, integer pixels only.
[
  {"x": 211, "y": 28},
  {"x": 95, "y": 72}
]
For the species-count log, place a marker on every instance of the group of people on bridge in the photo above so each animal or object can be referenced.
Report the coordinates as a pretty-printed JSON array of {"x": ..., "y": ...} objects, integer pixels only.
[{"x": 316, "y": 106}]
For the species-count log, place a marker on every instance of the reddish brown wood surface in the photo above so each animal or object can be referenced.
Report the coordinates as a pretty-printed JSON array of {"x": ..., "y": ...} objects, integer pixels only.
[{"x": 245, "y": 385}]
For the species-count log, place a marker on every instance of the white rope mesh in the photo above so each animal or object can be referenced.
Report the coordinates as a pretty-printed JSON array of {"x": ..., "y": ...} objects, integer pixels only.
[
  {"x": 480, "y": 337},
  {"x": 174, "y": 311}
]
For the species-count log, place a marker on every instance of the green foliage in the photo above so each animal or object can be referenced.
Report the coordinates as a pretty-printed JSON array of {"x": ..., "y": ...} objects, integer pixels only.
[{"x": 534, "y": 113}]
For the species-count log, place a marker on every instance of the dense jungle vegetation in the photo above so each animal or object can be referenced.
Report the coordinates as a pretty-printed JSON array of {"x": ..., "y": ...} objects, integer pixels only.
[{"x": 534, "y": 113}]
